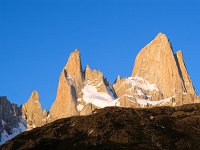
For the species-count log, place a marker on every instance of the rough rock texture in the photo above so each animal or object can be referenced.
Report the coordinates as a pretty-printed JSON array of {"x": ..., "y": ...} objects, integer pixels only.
[
  {"x": 69, "y": 100},
  {"x": 66, "y": 99},
  {"x": 87, "y": 109},
  {"x": 197, "y": 100},
  {"x": 130, "y": 89},
  {"x": 184, "y": 74},
  {"x": 32, "y": 112},
  {"x": 169, "y": 128},
  {"x": 158, "y": 74},
  {"x": 156, "y": 63},
  {"x": 74, "y": 70},
  {"x": 69, "y": 89},
  {"x": 95, "y": 78},
  {"x": 10, "y": 120}
]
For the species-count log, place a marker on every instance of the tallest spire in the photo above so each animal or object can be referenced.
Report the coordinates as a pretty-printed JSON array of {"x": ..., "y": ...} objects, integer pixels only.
[{"x": 156, "y": 63}]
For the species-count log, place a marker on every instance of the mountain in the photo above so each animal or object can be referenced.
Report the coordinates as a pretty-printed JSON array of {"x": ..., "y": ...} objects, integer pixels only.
[
  {"x": 69, "y": 85},
  {"x": 157, "y": 58},
  {"x": 159, "y": 78},
  {"x": 11, "y": 121},
  {"x": 80, "y": 90},
  {"x": 168, "y": 128},
  {"x": 32, "y": 112},
  {"x": 15, "y": 119}
]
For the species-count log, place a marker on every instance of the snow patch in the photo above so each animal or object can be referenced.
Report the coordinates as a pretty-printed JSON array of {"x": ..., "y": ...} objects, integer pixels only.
[
  {"x": 99, "y": 99},
  {"x": 15, "y": 131},
  {"x": 139, "y": 92},
  {"x": 3, "y": 123},
  {"x": 79, "y": 99},
  {"x": 80, "y": 107},
  {"x": 145, "y": 102},
  {"x": 141, "y": 83},
  {"x": 69, "y": 80}
]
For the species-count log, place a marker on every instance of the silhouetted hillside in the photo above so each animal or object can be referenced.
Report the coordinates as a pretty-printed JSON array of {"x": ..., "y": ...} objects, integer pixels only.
[{"x": 118, "y": 128}]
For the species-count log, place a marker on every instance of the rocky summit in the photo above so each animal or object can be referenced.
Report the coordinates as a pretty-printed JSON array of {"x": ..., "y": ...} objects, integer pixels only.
[{"x": 159, "y": 78}]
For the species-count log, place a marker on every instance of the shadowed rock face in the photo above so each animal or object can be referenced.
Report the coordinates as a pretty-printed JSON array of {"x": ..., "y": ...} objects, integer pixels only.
[
  {"x": 11, "y": 122},
  {"x": 184, "y": 74},
  {"x": 168, "y": 128}
]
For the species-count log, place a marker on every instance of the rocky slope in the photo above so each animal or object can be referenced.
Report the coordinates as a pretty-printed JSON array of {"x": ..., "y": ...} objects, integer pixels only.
[
  {"x": 159, "y": 78},
  {"x": 168, "y": 128},
  {"x": 11, "y": 121},
  {"x": 15, "y": 119}
]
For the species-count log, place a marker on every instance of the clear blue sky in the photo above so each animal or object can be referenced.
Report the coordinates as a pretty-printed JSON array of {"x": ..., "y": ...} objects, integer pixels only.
[{"x": 37, "y": 36}]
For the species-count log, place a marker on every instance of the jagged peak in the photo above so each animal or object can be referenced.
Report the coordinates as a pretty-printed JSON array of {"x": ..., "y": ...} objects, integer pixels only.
[
  {"x": 34, "y": 98},
  {"x": 45, "y": 112},
  {"x": 35, "y": 95},
  {"x": 88, "y": 68},
  {"x": 118, "y": 79},
  {"x": 77, "y": 50},
  {"x": 75, "y": 55},
  {"x": 161, "y": 36},
  {"x": 160, "y": 39},
  {"x": 3, "y": 98},
  {"x": 74, "y": 67},
  {"x": 93, "y": 74}
]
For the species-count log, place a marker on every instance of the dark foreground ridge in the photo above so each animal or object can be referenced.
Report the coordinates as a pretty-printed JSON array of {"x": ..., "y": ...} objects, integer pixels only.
[{"x": 118, "y": 128}]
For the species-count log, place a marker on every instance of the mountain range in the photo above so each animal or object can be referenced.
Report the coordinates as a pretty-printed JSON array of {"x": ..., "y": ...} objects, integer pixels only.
[{"x": 159, "y": 78}]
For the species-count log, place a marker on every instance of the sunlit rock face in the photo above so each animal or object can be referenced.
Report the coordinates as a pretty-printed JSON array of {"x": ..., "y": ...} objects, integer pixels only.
[
  {"x": 70, "y": 85},
  {"x": 73, "y": 95},
  {"x": 157, "y": 64},
  {"x": 32, "y": 112}
]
